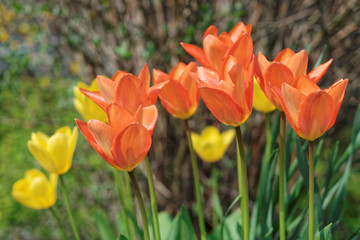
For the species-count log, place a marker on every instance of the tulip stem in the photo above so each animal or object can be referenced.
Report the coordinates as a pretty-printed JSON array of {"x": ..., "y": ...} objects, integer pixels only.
[
  {"x": 120, "y": 187},
  {"x": 67, "y": 203},
  {"x": 243, "y": 184},
  {"x": 282, "y": 192},
  {"x": 141, "y": 205},
  {"x": 311, "y": 190},
  {"x": 56, "y": 216},
  {"x": 197, "y": 182},
  {"x": 154, "y": 208}
]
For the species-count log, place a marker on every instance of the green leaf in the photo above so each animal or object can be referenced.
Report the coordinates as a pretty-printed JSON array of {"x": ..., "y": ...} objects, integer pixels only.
[
  {"x": 320, "y": 58},
  {"x": 122, "y": 237},
  {"x": 165, "y": 223},
  {"x": 181, "y": 227},
  {"x": 330, "y": 170},
  {"x": 103, "y": 226},
  {"x": 229, "y": 227},
  {"x": 324, "y": 234}
]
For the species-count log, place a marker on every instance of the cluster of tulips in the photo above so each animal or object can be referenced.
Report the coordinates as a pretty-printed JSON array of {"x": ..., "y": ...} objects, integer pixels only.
[{"x": 231, "y": 81}]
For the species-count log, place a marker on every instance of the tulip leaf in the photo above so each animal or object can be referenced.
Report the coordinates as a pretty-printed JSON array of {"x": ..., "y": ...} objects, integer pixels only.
[
  {"x": 321, "y": 56},
  {"x": 165, "y": 221},
  {"x": 181, "y": 227},
  {"x": 122, "y": 237},
  {"x": 324, "y": 234},
  {"x": 330, "y": 169},
  {"x": 355, "y": 235},
  {"x": 103, "y": 226},
  {"x": 229, "y": 227}
]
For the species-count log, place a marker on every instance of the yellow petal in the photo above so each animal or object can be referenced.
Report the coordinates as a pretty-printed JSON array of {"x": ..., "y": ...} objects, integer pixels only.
[
  {"x": 42, "y": 156},
  {"x": 227, "y": 137},
  {"x": 261, "y": 103},
  {"x": 58, "y": 147}
]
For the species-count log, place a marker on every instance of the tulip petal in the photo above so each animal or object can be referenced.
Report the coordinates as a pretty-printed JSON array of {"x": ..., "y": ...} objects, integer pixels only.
[
  {"x": 175, "y": 98},
  {"x": 131, "y": 146},
  {"x": 337, "y": 91},
  {"x": 119, "y": 117},
  {"x": 284, "y": 56},
  {"x": 177, "y": 71},
  {"x": 144, "y": 76},
  {"x": 238, "y": 30},
  {"x": 118, "y": 75},
  {"x": 316, "y": 74},
  {"x": 306, "y": 86},
  {"x": 130, "y": 93},
  {"x": 315, "y": 115},
  {"x": 206, "y": 77},
  {"x": 227, "y": 137},
  {"x": 42, "y": 156},
  {"x": 150, "y": 115},
  {"x": 275, "y": 75},
  {"x": 260, "y": 101},
  {"x": 197, "y": 53},
  {"x": 222, "y": 106},
  {"x": 96, "y": 97},
  {"x": 242, "y": 50},
  {"x": 154, "y": 92},
  {"x": 106, "y": 87},
  {"x": 211, "y": 30},
  {"x": 58, "y": 146},
  {"x": 298, "y": 63},
  {"x": 40, "y": 138},
  {"x": 214, "y": 50}
]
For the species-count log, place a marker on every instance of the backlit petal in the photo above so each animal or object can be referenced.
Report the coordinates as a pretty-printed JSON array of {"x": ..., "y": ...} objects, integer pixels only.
[
  {"x": 316, "y": 74},
  {"x": 298, "y": 63},
  {"x": 96, "y": 97},
  {"x": 242, "y": 50},
  {"x": 150, "y": 115},
  {"x": 106, "y": 87},
  {"x": 284, "y": 56},
  {"x": 238, "y": 30},
  {"x": 119, "y": 117},
  {"x": 214, "y": 50},
  {"x": 197, "y": 53}
]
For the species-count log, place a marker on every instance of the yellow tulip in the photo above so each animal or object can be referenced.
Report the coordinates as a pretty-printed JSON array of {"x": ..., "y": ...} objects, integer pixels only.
[
  {"x": 85, "y": 106},
  {"x": 211, "y": 145},
  {"x": 35, "y": 190},
  {"x": 260, "y": 101},
  {"x": 54, "y": 153}
]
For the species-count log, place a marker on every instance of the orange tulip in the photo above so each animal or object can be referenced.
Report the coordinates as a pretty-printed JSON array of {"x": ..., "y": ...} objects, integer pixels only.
[
  {"x": 217, "y": 47},
  {"x": 229, "y": 94},
  {"x": 287, "y": 67},
  {"x": 124, "y": 86},
  {"x": 180, "y": 95},
  {"x": 125, "y": 142},
  {"x": 310, "y": 110}
]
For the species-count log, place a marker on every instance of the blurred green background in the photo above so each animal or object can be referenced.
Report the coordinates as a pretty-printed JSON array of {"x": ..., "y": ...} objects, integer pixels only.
[{"x": 46, "y": 47}]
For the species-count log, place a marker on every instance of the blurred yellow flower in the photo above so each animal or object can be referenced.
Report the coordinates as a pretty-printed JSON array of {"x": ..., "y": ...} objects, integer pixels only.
[
  {"x": 35, "y": 190},
  {"x": 23, "y": 28},
  {"x": 4, "y": 35},
  {"x": 260, "y": 101},
  {"x": 211, "y": 145},
  {"x": 75, "y": 67},
  {"x": 54, "y": 153},
  {"x": 85, "y": 106}
]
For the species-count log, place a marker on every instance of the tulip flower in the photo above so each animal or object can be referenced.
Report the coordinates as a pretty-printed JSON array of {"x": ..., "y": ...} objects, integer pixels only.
[
  {"x": 125, "y": 142},
  {"x": 54, "y": 153},
  {"x": 211, "y": 145},
  {"x": 124, "y": 86},
  {"x": 35, "y": 190},
  {"x": 261, "y": 103},
  {"x": 85, "y": 106},
  {"x": 228, "y": 95},
  {"x": 287, "y": 67},
  {"x": 310, "y": 110},
  {"x": 180, "y": 95},
  {"x": 216, "y": 47}
]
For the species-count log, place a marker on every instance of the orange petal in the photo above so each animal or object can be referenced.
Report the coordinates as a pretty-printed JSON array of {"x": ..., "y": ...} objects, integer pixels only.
[
  {"x": 214, "y": 50},
  {"x": 149, "y": 118},
  {"x": 298, "y": 63},
  {"x": 306, "y": 86},
  {"x": 159, "y": 76},
  {"x": 130, "y": 93},
  {"x": 274, "y": 76},
  {"x": 290, "y": 99},
  {"x": 144, "y": 76},
  {"x": 238, "y": 30},
  {"x": 177, "y": 71},
  {"x": 260, "y": 64},
  {"x": 211, "y": 30},
  {"x": 315, "y": 115},
  {"x": 118, "y": 75},
  {"x": 96, "y": 97},
  {"x": 222, "y": 106},
  {"x": 197, "y": 53},
  {"x": 131, "y": 146},
  {"x": 106, "y": 87},
  {"x": 337, "y": 91},
  {"x": 226, "y": 65},
  {"x": 186, "y": 79},
  {"x": 175, "y": 98},
  {"x": 316, "y": 74},
  {"x": 118, "y": 117},
  {"x": 284, "y": 56},
  {"x": 154, "y": 92},
  {"x": 236, "y": 75},
  {"x": 242, "y": 49},
  {"x": 207, "y": 77}
]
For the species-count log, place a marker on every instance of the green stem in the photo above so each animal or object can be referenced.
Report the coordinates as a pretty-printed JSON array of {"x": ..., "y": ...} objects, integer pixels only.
[
  {"x": 268, "y": 136},
  {"x": 120, "y": 187},
  {"x": 243, "y": 183},
  {"x": 67, "y": 203},
  {"x": 56, "y": 216},
  {"x": 214, "y": 184},
  {"x": 141, "y": 205},
  {"x": 154, "y": 208},
  {"x": 197, "y": 182},
  {"x": 311, "y": 190},
  {"x": 282, "y": 192}
]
